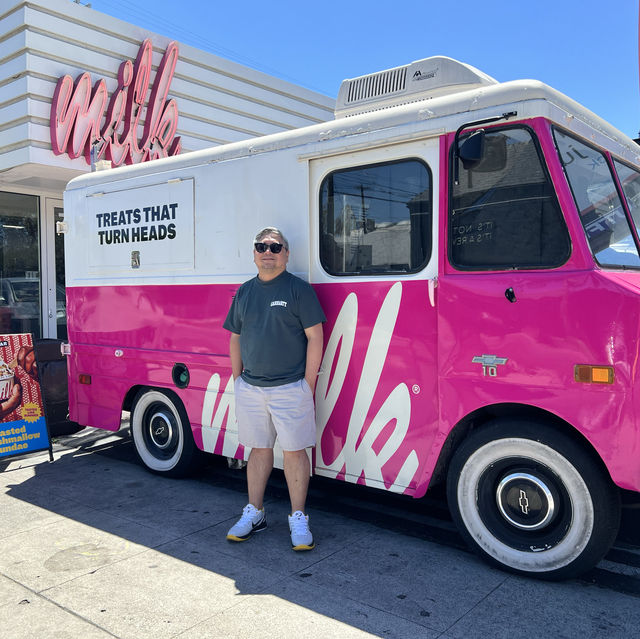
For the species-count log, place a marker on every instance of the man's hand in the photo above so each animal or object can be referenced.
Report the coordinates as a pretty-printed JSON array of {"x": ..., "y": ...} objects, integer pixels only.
[
  {"x": 314, "y": 354},
  {"x": 9, "y": 405},
  {"x": 235, "y": 355},
  {"x": 27, "y": 361}
]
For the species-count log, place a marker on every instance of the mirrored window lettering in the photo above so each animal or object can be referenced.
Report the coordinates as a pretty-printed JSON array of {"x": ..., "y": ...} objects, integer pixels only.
[
  {"x": 601, "y": 212},
  {"x": 20, "y": 299},
  {"x": 376, "y": 219},
  {"x": 504, "y": 212}
]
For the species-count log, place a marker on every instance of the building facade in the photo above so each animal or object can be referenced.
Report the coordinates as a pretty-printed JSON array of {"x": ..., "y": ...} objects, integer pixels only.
[{"x": 77, "y": 88}]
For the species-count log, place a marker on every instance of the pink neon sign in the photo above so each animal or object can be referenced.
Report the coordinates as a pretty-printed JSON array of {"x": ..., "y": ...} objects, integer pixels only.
[{"x": 78, "y": 122}]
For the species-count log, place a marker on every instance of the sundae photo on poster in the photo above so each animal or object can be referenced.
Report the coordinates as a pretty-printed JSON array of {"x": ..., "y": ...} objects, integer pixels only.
[{"x": 22, "y": 420}]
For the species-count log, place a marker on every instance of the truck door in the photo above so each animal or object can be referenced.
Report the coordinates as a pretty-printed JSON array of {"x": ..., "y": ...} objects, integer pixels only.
[
  {"x": 507, "y": 281},
  {"x": 374, "y": 267}
]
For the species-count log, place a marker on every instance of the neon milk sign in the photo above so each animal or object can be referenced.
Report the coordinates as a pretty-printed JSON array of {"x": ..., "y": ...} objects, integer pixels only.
[{"x": 78, "y": 111}]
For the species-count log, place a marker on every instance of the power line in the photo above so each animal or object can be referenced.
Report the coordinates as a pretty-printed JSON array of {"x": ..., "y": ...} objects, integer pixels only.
[{"x": 123, "y": 9}]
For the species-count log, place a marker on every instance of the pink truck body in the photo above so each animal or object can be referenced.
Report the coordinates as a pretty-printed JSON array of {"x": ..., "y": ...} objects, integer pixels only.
[{"x": 420, "y": 352}]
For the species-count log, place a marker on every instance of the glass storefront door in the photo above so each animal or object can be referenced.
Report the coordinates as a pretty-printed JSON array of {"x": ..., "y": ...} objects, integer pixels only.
[
  {"x": 32, "y": 293},
  {"x": 54, "y": 300},
  {"x": 20, "y": 298}
]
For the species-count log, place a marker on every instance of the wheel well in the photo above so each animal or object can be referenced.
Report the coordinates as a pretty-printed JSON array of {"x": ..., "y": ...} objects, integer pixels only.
[
  {"x": 129, "y": 398},
  {"x": 127, "y": 403},
  {"x": 482, "y": 416}
]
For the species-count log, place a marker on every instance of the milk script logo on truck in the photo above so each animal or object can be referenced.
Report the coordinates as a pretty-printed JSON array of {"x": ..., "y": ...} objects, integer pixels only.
[{"x": 474, "y": 246}]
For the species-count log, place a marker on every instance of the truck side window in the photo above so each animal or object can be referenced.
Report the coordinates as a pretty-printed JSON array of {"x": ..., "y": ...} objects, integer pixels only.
[
  {"x": 504, "y": 212},
  {"x": 376, "y": 219},
  {"x": 630, "y": 181},
  {"x": 594, "y": 191}
]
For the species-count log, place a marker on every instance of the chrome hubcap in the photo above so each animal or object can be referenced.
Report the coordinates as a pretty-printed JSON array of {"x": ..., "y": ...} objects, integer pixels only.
[{"x": 525, "y": 501}]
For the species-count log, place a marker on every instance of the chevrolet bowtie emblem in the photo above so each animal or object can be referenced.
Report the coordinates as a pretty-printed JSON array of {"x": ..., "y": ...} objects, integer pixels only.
[
  {"x": 524, "y": 503},
  {"x": 489, "y": 364},
  {"x": 489, "y": 360}
]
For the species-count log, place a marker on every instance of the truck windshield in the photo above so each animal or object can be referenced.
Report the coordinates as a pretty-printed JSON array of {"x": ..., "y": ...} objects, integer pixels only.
[
  {"x": 601, "y": 213},
  {"x": 630, "y": 181}
]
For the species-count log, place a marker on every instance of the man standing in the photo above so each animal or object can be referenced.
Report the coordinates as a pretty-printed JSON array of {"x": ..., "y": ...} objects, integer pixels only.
[{"x": 276, "y": 349}]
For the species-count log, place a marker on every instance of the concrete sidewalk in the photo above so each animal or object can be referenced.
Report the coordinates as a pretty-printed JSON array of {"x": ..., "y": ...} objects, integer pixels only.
[{"x": 93, "y": 545}]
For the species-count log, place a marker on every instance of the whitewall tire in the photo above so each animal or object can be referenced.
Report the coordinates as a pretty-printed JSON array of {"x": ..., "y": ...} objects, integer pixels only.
[
  {"x": 162, "y": 434},
  {"x": 531, "y": 500}
]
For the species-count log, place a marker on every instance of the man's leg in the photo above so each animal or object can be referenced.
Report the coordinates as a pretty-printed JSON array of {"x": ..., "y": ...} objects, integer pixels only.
[
  {"x": 296, "y": 472},
  {"x": 259, "y": 468}
]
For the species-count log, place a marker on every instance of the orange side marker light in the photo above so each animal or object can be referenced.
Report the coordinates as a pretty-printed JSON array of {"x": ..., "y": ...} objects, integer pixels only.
[{"x": 587, "y": 374}]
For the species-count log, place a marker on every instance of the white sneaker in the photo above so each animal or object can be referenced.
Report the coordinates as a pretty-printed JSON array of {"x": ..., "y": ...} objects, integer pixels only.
[
  {"x": 301, "y": 537},
  {"x": 252, "y": 520}
]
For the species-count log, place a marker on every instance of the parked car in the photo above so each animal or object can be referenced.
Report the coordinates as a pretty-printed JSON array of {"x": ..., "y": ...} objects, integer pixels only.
[
  {"x": 20, "y": 305},
  {"x": 22, "y": 296}
]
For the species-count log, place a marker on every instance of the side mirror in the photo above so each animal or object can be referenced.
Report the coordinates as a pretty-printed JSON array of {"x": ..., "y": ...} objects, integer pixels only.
[
  {"x": 484, "y": 153},
  {"x": 471, "y": 150},
  {"x": 473, "y": 157}
]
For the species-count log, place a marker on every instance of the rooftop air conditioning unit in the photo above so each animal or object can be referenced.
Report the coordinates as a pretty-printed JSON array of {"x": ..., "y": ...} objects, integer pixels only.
[{"x": 428, "y": 78}]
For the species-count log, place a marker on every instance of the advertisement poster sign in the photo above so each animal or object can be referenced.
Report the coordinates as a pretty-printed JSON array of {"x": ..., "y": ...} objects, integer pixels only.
[
  {"x": 155, "y": 221},
  {"x": 23, "y": 427}
]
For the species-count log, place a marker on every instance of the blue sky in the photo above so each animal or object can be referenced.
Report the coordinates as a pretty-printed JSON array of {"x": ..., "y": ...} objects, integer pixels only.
[{"x": 587, "y": 49}]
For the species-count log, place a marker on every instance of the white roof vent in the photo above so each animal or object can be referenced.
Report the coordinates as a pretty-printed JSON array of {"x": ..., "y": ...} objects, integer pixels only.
[{"x": 419, "y": 80}]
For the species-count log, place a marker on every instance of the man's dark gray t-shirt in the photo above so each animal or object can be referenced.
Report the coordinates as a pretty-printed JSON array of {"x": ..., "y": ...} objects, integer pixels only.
[{"x": 271, "y": 318}]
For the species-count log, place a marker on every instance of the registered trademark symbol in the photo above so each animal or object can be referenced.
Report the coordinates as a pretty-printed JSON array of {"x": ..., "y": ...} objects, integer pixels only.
[{"x": 415, "y": 389}]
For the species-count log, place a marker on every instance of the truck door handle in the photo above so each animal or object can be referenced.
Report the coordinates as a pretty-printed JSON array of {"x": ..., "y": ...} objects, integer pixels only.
[{"x": 433, "y": 283}]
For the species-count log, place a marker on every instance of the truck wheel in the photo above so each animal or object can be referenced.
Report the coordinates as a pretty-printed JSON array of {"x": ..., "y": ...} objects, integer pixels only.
[
  {"x": 162, "y": 434},
  {"x": 530, "y": 500}
]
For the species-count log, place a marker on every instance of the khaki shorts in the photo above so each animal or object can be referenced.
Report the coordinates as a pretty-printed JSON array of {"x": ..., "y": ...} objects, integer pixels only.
[{"x": 266, "y": 412}]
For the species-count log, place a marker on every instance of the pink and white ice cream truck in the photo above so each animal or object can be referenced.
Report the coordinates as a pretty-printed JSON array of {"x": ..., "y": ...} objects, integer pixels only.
[{"x": 476, "y": 248}]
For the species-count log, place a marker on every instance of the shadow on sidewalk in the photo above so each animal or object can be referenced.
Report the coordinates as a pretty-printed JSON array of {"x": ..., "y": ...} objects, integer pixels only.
[
  {"x": 98, "y": 534},
  {"x": 95, "y": 513}
]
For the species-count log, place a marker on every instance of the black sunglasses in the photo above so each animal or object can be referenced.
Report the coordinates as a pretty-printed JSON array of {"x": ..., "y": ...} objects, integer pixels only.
[{"x": 274, "y": 247}]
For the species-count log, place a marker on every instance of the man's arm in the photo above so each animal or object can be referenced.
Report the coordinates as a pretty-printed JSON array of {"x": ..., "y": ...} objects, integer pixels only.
[
  {"x": 235, "y": 354},
  {"x": 314, "y": 354}
]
